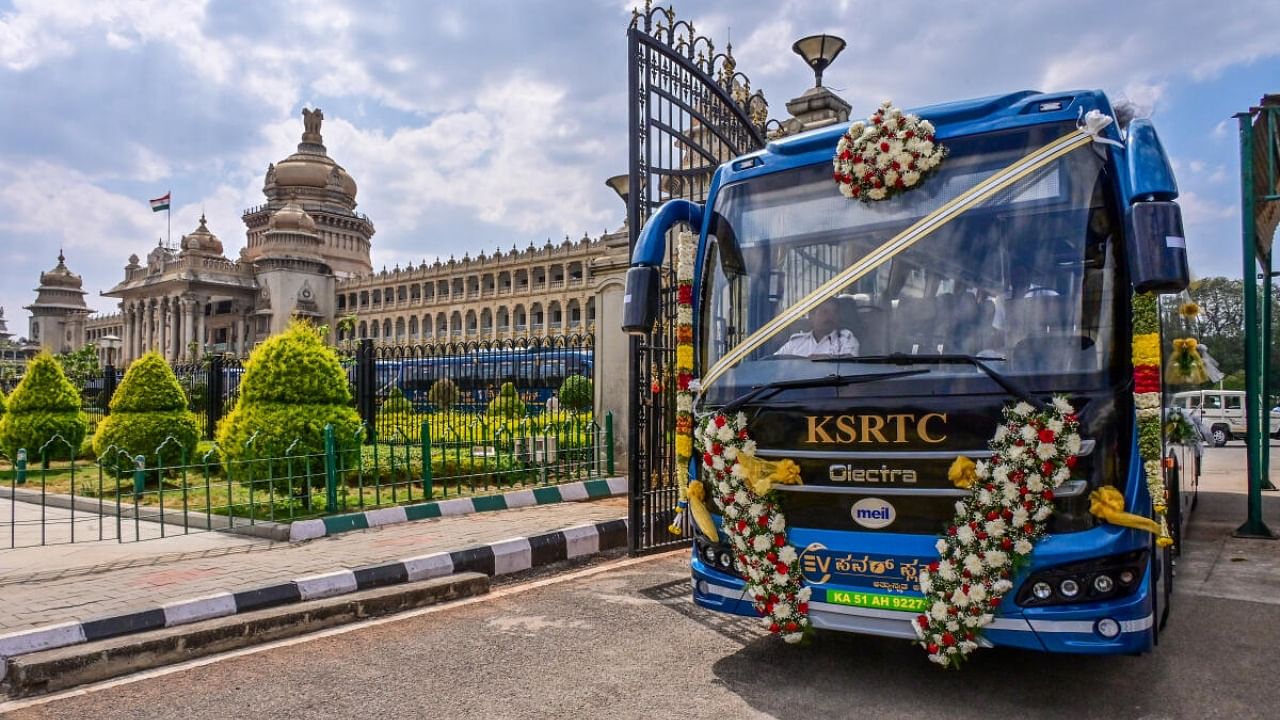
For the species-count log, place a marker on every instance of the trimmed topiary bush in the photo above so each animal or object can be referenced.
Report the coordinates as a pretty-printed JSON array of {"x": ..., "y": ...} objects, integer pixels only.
[
  {"x": 148, "y": 408},
  {"x": 293, "y": 386},
  {"x": 397, "y": 419},
  {"x": 443, "y": 394},
  {"x": 508, "y": 403},
  {"x": 43, "y": 405},
  {"x": 577, "y": 393}
]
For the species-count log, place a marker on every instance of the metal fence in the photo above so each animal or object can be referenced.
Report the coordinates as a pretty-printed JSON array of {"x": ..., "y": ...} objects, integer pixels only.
[
  {"x": 397, "y": 387},
  {"x": 56, "y": 496}
]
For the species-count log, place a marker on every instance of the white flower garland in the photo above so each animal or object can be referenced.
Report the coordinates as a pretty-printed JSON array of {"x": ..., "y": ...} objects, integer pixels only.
[
  {"x": 886, "y": 154},
  {"x": 755, "y": 527},
  {"x": 996, "y": 527}
]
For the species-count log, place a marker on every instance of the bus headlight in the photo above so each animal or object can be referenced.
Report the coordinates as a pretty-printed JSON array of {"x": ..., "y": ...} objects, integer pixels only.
[
  {"x": 714, "y": 555},
  {"x": 1042, "y": 590},
  {"x": 1106, "y": 578}
]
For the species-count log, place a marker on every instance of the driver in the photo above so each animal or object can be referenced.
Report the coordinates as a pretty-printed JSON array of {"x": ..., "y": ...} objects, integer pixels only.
[{"x": 826, "y": 337}]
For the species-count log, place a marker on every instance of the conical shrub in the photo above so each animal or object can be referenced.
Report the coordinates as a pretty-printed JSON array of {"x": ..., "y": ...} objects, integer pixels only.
[
  {"x": 148, "y": 410},
  {"x": 293, "y": 386},
  {"x": 45, "y": 405}
]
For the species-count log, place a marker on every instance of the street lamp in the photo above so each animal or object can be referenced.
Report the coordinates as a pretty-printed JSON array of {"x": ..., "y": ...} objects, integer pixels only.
[
  {"x": 620, "y": 184},
  {"x": 110, "y": 343},
  {"x": 818, "y": 51}
]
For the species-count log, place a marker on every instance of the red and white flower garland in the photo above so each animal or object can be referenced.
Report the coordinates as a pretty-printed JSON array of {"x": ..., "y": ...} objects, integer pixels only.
[
  {"x": 996, "y": 527},
  {"x": 755, "y": 527},
  {"x": 886, "y": 154}
]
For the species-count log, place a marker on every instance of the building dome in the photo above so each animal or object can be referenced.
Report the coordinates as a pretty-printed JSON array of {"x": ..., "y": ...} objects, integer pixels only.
[
  {"x": 60, "y": 276},
  {"x": 292, "y": 218},
  {"x": 310, "y": 168},
  {"x": 201, "y": 241}
]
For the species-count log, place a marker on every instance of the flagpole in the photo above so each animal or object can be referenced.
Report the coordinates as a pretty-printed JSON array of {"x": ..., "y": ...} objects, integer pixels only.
[{"x": 168, "y": 217}]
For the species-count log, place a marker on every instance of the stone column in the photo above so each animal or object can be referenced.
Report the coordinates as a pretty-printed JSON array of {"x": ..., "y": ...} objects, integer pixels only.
[
  {"x": 151, "y": 325},
  {"x": 126, "y": 342},
  {"x": 242, "y": 331},
  {"x": 166, "y": 327},
  {"x": 188, "y": 327},
  {"x": 200, "y": 328}
]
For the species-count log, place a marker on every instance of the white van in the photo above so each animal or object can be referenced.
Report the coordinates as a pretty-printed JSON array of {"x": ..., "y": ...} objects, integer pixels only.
[{"x": 1222, "y": 412}]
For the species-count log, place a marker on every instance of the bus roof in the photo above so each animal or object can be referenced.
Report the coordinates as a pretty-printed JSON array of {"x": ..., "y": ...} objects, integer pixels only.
[{"x": 963, "y": 117}]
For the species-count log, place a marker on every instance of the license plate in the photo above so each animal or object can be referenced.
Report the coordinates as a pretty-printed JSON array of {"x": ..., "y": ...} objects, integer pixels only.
[{"x": 877, "y": 601}]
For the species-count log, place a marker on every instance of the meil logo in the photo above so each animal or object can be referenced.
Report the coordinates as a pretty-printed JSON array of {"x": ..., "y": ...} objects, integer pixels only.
[{"x": 873, "y": 513}]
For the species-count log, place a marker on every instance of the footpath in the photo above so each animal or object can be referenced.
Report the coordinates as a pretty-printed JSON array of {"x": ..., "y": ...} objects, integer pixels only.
[{"x": 123, "y": 591}]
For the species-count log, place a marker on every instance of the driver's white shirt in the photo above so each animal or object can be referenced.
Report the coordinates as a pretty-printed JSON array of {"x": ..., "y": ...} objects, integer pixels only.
[{"x": 836, "y": 342}]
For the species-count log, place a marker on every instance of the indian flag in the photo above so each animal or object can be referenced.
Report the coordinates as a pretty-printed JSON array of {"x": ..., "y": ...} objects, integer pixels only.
[{"x": 160, "y": 203}]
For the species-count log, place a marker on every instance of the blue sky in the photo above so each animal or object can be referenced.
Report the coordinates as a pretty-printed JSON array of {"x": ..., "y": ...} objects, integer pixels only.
[{"x": 476, "y": 124}]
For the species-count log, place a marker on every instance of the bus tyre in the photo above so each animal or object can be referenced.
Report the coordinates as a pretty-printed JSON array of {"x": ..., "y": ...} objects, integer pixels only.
[{"x": 1221, "y": 434}]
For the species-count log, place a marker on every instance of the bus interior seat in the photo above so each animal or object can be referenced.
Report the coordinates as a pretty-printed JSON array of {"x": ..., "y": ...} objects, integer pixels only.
[
  {"x": 873, "y": 330},
  {"x": 958, "y": 321},
  {"x": 913, "y": 326}
]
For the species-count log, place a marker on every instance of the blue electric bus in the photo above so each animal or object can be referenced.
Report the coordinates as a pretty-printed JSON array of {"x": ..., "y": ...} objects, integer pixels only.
[{"x": 1036, "y": 230}]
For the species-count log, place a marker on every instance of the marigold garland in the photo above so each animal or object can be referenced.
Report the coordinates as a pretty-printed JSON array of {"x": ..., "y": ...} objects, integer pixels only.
[
  {"x": 996, "y": 527},
  {"x": 686, "y": 250},
  {"x": 1146, "y": 399},
  {"x": 754, "y": 526},
  {"x": 886, "y": 154}
]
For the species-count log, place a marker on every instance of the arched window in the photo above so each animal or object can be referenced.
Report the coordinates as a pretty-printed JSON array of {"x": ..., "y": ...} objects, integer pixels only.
[{"x": 413, "y": 326}]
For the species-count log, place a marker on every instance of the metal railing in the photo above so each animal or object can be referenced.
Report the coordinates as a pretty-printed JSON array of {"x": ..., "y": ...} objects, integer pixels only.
[{"x": 55, "y": 496}]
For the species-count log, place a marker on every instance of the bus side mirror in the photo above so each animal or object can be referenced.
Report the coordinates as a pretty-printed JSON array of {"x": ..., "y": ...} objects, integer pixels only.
[
  {"x": 640, "y": 300},
  {"x": 1157, "y": 248}
]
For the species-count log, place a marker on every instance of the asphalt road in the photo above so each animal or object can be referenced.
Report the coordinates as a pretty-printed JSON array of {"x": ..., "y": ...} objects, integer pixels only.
[
  {"x": 624, "y": 641},
  {"x": 627, "y": 643}
]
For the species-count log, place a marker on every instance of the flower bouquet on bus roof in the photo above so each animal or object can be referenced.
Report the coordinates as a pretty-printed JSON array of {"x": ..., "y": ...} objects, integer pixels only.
[{"x": 886, "y": 154}]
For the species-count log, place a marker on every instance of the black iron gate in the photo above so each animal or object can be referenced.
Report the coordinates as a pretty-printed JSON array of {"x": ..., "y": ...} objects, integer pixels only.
[{"x": 690, "y": 111}]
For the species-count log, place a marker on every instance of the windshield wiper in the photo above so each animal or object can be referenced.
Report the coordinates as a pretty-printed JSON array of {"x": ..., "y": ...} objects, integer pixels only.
[
  {"x": 770, "y": 389},
  {"x": 1008, "y": 384}
]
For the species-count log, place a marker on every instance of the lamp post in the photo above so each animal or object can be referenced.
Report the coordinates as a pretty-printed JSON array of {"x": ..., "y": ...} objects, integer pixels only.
[
  {"x": 818, "y": 52},
  {"x": 817, "y": 106},
  {"x": 110, "y": 343}
]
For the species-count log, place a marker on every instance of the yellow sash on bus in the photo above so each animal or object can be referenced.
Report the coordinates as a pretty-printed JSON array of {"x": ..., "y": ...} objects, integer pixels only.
[{"x": 903, "y": 240}]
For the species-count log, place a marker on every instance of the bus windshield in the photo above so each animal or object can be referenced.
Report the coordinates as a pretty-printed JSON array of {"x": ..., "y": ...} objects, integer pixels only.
[{"x": 1027, "y": 279}]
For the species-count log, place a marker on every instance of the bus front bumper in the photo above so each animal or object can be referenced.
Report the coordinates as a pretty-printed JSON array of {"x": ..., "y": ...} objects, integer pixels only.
[{"x": 1064, "y": 629}]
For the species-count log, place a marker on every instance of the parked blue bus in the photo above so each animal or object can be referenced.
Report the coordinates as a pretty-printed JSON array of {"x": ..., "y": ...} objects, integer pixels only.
[
  {"x": 1023, "y": 251},
  {"x": 537, "y": 374}
]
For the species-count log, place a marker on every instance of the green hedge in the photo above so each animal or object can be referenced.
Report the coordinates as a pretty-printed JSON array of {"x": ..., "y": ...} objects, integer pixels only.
[
  {"x": 43, "y": 405},
  {"x": 391, "y": 466},
  {"x": 293, "y": 386},
  {"x": 147, "y": 410}
]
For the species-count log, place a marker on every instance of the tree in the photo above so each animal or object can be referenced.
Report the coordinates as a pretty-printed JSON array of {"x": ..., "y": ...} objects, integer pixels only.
[
  {"x": 576, "y": 393},
  {"x": 1220, "y": 325},
  {"x": 293, "y": 387},
  {"x": 508, "y": 403},
  {"x": 147, "y": 410},
  {"x": 81, "y": 364},
  {"x": 44, "y": 405},
  {"x": 443, "y": 394}
]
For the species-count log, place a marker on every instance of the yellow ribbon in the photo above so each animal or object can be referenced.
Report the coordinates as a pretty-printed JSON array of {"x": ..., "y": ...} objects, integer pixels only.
[
  {"x": 762, "y": 475},
  {"x": 698, "y": 506},
  {"x": 1107, "y": 504},
  {"x": 963, "y": 473}
]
